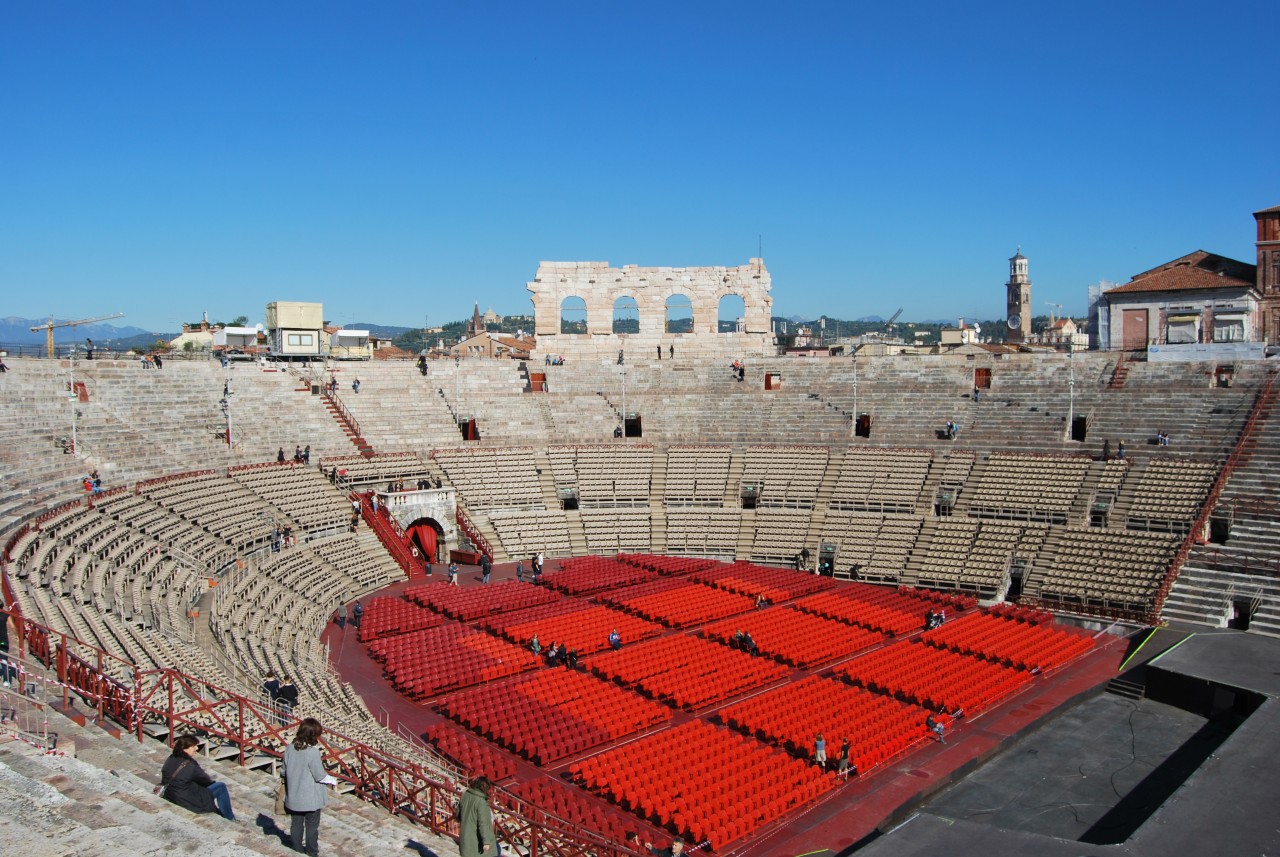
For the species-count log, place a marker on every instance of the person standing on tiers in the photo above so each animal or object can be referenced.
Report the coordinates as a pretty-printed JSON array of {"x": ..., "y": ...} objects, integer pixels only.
[
  {"x": 453, "y": 574},
  {"x": 357, "y": 612},
  {"x": 486, "y": 568}
]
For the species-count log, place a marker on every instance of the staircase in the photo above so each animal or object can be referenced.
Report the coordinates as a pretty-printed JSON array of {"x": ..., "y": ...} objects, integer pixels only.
[
  {"x": 657, "y": 509},
  {"x": 93, "y": 794},
  {"x": 746, "y": 535},
  {"x": 1119, "y": 373},
  {"x": 348, "y": 424},
  {"x": 577, "y": 534},
  {"x": 733, "y": 481}
]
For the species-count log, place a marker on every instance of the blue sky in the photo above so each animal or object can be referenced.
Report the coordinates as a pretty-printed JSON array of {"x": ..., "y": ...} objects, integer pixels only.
[{"x": 401, "y": 160}]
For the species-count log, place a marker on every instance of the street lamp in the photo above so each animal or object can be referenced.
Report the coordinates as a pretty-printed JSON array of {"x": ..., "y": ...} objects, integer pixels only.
[
  {"x": 855, "y": 351},
  {"x": 71, "y": 398},
  {"x": 1071, "y": 383}
]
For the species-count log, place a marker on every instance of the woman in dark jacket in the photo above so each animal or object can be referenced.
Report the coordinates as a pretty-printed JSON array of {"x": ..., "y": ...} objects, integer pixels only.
[{"x": 184, "y": 782}]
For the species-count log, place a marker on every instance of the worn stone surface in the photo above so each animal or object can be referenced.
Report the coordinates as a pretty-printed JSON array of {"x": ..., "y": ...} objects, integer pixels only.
[{"x": 601, "y": 287}]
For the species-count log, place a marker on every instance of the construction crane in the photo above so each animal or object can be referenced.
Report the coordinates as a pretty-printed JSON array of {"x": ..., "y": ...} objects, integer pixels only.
[
  {"x": 51, "y": 324},
  {"x": 890, "y": 325}
]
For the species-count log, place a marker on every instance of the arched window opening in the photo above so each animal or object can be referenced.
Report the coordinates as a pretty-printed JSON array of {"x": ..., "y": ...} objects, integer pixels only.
[
  {"x": 679, "y": 314},
  {"x": 626, "y": 315},
  {"x": 573, "y": 315},
  {"x": 732, "y": 314}
]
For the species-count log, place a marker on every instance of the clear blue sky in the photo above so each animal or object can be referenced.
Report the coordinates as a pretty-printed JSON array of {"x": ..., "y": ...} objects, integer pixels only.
[{"x": 398, "y": 159}]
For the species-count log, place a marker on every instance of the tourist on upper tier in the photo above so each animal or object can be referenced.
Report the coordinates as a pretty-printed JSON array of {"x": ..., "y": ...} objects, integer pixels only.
[
  {"x": 355, "y": 386},
  {"x": 184, "y": 783},
  {"x": 659, "y": 352},
  {"x": 280, "y": 456}
]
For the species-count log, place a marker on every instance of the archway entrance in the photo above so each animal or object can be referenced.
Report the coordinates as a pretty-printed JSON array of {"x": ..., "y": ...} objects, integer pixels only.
[{"x": 428, "y": 536}]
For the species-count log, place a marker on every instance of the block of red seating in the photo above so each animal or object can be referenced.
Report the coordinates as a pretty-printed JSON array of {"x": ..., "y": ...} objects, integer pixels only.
[
  {"x": 587, "y": 574},
  {"x": 877, "y": 727},
  {"x": 895, "y": 612},
  {"x": 472, "y": 603},
  {"x": 794, "y": 636},
  {"x": 578, "y": 625},
  {"x": 688, "y": 672},
  {"x": 667, "y": 565},
  {"x": 422, "y": 664},
  {"x": 476, "y": 757},
  {"x": 933, "y": 677},
  {"x": 775, "y": 584},
  {"x": 677, "y": 603},
  {"x": 545, "y": 796},
  {"x": 553, "y": 714},
  {"x": 1000, "y": 637},
  {"x": 707, "y": 783},
  {"x": 388, "y": 615}
]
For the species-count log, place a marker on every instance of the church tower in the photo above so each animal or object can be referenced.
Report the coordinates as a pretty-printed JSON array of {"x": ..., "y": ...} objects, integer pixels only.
[{"x": 1018, "y": 310}]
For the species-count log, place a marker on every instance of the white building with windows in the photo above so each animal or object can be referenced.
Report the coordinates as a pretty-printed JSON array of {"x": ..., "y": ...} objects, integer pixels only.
[{"x": 1199, "y": 299}]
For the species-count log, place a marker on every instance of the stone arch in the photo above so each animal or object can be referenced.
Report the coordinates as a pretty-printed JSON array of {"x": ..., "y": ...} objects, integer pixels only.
[
  {"x": 429, "y": 537},
  {"x": 678, "y": 316},
  {"x": 731, "y": 313},
  {"x": 573, "y": 315},
  {"x": 626, "y": 315},
  {"x": 601, "y": 285}
]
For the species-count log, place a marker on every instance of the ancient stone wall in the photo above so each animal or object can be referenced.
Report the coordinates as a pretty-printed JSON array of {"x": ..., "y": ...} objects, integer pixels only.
[{"x": 601, "y": 287}]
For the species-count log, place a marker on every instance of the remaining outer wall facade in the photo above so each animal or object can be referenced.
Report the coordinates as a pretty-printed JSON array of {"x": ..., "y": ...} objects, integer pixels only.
[{"x": 600, "y": 287}]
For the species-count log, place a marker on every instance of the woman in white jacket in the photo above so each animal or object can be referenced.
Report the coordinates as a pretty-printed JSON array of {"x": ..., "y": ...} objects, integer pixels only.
[{"x": 305, "y": 792}]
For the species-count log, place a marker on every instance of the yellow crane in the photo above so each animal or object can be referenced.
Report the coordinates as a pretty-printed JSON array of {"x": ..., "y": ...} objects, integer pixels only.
[{"x": 48, "y": 327}]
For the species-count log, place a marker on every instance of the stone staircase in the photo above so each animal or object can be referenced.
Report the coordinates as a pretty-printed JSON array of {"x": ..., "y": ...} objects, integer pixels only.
[{"x": 93, "y": 794}]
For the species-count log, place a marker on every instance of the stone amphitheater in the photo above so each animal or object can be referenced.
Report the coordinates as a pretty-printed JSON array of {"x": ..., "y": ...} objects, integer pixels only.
[{"x": 157, "y": 605}]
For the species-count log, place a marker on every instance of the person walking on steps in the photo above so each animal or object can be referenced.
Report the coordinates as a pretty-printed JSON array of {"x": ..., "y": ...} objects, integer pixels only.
[{"x": 476, "y": 836}]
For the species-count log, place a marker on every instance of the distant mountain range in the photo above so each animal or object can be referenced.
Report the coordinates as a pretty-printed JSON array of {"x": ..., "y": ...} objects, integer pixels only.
[{"x": 17, "y": 331}]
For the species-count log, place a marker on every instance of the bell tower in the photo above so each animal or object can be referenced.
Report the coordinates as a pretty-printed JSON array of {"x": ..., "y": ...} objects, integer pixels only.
[{"x": 1018, "y": 309}]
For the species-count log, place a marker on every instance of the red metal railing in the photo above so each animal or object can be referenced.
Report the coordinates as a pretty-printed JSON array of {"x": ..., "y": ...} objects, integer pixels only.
[
  {"x": 389, "y": 532},
  {"x": 181, "y": 704},
  {"x": 472, "y": 533},
  {"x": 1252, "y": 425}
]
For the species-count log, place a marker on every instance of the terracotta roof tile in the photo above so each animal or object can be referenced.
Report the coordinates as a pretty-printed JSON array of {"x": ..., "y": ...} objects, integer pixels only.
[{"x": 1193, "y": 272}]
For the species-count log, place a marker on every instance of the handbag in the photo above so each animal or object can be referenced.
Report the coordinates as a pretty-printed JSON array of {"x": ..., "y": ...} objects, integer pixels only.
[
  {"x": 281, "y": 791},
  {"x": 163, "y": 788}
]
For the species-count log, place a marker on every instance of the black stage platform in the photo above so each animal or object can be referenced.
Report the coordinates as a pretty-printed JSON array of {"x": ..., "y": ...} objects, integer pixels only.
[{"x": 1190, "y": 770}]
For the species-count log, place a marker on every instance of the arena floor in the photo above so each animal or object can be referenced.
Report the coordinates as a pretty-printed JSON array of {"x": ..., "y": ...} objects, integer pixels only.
[{"x": 852, "y": 813}]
